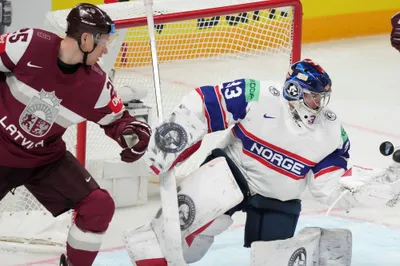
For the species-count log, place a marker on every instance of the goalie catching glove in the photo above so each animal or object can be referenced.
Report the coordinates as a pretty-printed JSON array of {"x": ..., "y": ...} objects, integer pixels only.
[
  {"x": 361, "y": 187},
  {"x": 134, "y": 138}
]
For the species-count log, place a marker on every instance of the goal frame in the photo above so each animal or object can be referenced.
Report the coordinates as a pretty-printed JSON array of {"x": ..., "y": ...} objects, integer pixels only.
[{"x": 207, "y": 12}]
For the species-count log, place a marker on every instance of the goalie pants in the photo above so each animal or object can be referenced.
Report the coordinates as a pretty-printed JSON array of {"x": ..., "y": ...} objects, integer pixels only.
[
  {"x": 267, "y": 218},
  {"x": 58, "y": 186}
]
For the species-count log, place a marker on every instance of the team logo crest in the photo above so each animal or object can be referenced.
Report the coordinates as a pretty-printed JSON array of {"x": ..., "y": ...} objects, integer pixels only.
[
  {"x": 40, "y": 114},
  {"x": 298, "y": 258},
  {"x": 274, "y": 91},
  {"x": 330, "y": 115},
  {"x": 292, "y": 91},
  {"x": 171, "y": 137},
  {"x": 187, "y": 211}
]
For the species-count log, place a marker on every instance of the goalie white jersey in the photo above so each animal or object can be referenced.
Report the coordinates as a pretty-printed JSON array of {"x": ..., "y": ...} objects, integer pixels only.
[{"x": 277, "y": 155}]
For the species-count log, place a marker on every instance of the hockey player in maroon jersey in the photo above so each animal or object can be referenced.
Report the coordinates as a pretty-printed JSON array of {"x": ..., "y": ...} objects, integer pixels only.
[
  {"x": 48, "y": 84},
  {"x": 395, "y": 34}
]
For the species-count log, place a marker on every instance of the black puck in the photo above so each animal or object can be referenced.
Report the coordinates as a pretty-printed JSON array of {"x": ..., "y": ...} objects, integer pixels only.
[
  {"x": 386, "y": 148},
  {"x": 396, "y": 156}
]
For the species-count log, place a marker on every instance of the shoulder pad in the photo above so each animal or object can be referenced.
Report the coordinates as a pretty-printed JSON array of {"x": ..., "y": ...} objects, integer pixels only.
[{"x": 270, "y": 88}]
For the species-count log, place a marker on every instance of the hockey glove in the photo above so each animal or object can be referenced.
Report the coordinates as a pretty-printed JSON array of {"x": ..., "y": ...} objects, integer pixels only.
[
  {"x": 135, "y": 137},
  {"x": 371, "y": 188},
  {"x": 395, "y": 35}
]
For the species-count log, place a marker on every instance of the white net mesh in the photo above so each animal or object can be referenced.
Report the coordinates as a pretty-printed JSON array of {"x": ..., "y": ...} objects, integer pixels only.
[
  {"x": 23, "y": 220},
  {"x": 193, "y": 49},
  {"x": 209, "y": 43}
]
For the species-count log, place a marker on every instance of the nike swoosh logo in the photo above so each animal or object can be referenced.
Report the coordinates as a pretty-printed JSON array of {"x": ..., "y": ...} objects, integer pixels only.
[
  {"x": 88, "y": 179},
  {"x": 34, "y": 66},
  {"x": 266, "y": 116}
]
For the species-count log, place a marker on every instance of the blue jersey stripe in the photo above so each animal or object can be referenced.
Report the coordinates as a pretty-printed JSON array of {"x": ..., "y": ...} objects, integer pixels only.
[
  {"x": 235, "y": 98},
  {"x": 337, "y": 158},
  {"x": 213, "y": 107},
  {"x": 329, "y": 161}
]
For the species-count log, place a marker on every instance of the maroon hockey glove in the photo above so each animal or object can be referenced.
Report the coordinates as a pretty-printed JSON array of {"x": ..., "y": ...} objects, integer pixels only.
[
  {"x": 135, "y": 137},
  {"x": 395, "y": 35}
]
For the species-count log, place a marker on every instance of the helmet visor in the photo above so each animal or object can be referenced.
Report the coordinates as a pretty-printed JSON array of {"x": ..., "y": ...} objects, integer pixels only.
[
  {"x": 103, "y": 40},
  {"x": 316, "y": 101}
]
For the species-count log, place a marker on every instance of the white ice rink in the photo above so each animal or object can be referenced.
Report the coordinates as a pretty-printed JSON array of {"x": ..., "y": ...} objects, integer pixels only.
[{"x": 366, "y": 96}]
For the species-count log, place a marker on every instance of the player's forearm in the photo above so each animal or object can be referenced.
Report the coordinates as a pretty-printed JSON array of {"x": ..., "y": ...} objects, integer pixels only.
[
  {"x": 328, "y": 198},
  {"x": 327, "y": 190},
  {"x": 338, "y": 198}
]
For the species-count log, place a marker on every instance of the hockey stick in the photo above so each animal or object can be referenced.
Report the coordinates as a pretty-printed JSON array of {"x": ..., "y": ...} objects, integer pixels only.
[{"x": 171, "y": 243}]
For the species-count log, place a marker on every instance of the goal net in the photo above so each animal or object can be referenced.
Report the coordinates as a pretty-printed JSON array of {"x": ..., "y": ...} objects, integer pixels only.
[{"x": 198, "y": 43}]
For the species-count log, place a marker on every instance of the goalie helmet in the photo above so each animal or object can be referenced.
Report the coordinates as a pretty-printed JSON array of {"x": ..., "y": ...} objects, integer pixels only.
[
  {"x": 88, "y": 18},
  {"x": 307, "y": 89}
]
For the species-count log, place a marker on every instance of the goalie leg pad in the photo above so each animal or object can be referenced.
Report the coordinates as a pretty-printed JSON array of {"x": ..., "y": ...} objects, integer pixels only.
[
  {"x": 143, "y": 248},
  {"x": 204, "y": 195},
  {"x": 335, "y": 247},
  {"x": 240, "y": 179},
  {"x": 311, "y": 246},
  {"x": 197, "y": 244}
]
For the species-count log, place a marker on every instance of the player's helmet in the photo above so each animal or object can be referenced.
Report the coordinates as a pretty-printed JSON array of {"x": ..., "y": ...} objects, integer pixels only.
[
  {"x": 88, "y": 18},
  {"x": 307, "y": 88}
]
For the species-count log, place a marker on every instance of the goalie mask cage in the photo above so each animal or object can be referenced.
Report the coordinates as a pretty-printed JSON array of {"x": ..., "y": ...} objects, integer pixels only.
[{"x": 202, "y": 42}]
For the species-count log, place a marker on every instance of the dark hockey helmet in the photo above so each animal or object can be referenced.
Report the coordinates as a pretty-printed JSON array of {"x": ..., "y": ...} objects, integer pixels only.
[
  {"x": 88, "y": 18},
  {"x": 307, "y": 88},
  {"x": 307, "y": 76},
  {"x": 310, "y": 76}
]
